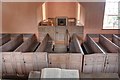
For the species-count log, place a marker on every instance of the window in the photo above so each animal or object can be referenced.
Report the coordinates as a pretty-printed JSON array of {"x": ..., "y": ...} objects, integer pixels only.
[
  {"x": 78, "y": 13},
  {"x": 44, "y": 11},
  {"x": 111, "y": 15}
]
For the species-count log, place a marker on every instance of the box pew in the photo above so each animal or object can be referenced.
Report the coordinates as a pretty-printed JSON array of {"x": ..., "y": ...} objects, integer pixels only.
[
  {"x": 75, "y": 58},
  {"x": 15, "y": 41},
  {"x": 111, "y": 64},
  {"x": 46, "y": 44},
  {"x": 20, "y": 64},
  {"x": 29, "y": 45},
  {"x": 95, "y": 59},
  {"x": 4, "y": 38},
  {"x": 68, "y": 60},
  {"x": 116, "y": 40},
  {"x": 76, "y": 43}
]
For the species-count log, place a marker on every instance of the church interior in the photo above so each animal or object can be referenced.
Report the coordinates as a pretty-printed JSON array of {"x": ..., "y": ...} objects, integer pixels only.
[{"x": 59, "y": 40}]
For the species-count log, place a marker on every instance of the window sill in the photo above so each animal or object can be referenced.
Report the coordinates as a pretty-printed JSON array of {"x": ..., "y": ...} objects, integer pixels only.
[{"x": 110, "y": 29}]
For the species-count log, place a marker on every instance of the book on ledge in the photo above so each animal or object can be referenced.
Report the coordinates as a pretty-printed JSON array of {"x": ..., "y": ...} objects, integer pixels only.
[{"x": 59, "y": 73}]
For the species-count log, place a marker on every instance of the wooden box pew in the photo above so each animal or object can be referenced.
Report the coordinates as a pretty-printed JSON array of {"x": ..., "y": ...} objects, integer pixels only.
[
  {"x": 4, "y": 38},
  {"x": 116, "y": 40},
  {"x": 111, "y": 64},
  {"x": 68, "y": 60},
  {"x": 75, "y": 58},
  {"x": 94, "y": 59},
  {"x": 16, "y": 40},
  {"x": 75, "y": 45},
  {"x": 46, "y": 45},
  {"x": 29, "y": 45},
  {"x": 20, "y": 64}
]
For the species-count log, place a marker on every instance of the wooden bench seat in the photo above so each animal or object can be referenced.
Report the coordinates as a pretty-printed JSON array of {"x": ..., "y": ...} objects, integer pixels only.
[
  {"x": 46, "y": 44},
  {"x": 12, "y": 44},
  {"x": 29, "y": 45},
  {"x": 116, "y": 40},
  {"x": 4, "y": 38},
  {"x": 111, "y": 64},
  {"x": 75, "y": 45},
  {"x": 20, "y": 64},
  {"x": 108, "y": 45},
  {"x": 87, "y": 48},
  {"x": 95, "y": 57}
]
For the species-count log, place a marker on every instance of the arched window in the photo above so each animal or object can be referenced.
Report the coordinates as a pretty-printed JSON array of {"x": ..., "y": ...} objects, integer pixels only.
[{"x": 111, "y": 15}]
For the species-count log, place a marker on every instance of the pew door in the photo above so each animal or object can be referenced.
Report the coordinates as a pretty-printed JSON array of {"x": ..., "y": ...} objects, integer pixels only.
[
  {"x": 58, "y": 60},
  {"x": 75, "y": 61},
  {"x": 111, "y": 63},
  {"x": 29, "y": 62},
  {"x": 94, "y": 63},
  {"x": 8, "y": 66}
]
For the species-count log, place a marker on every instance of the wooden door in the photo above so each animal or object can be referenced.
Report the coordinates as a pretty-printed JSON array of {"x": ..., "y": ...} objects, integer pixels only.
[
  {"x": 94, "y": 63},
  {"x": 111, "y": 64},
  {"x": 29, "y": 62},
  {"x": 58, "y": 60},
  {"x": 75, "y": 61},
  {"x": 8, "y": 64}
]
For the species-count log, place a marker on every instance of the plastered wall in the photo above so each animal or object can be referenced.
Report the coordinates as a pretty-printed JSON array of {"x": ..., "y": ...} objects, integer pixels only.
[
  {"x": 94, "y": 15},
  {"x": 23, "y": 17},
  {"x": 55, "y": 9},
  {"x": 19, "y": 17}
]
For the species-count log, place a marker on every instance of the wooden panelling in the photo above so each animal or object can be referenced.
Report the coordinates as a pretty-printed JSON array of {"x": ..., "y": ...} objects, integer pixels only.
[
  {"x": 94, "y": 46},
  {"x": 94, "y": 63},
  {"x": 111, "y": 64},
  {"x": 52, "y": 31},
  {"x": 111, "y": 51},
  {"x": 42, "y": 60},
  {"x": 44, "y": 44},
  {"x": 66, "y": 60},
  {"x": 12, "y": 44},
  {"x": 99, "y": 76},
  {"x": 116, "y": 40},
  {"x": 28, "y": 45},
  {"x": 43, "y": 30},
  {"x": 75, "y": 61},
  {"x": 16, "y": 63},
  {"x": 58, "y": 60},
  {"x": 8, "y": 67},
  {"x": 4, "y": 38},
  {"x": 108, "y": 45},
  {"x": 77, "y": 44}
]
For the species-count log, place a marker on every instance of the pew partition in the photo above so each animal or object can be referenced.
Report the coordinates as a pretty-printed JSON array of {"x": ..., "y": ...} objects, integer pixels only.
[
  {"x": 4, "y": 38},
  {"x": 116, "y": 40},
  {"x": 111, "y": 64},
  {"x": 29, "y": 45},
  {"x": 20, "y": 64},
  {"x": 95, "y": 59},
  {"x": 46, "y": 44},
  {"x": 70, "y": 60},
  {"x": 15, "y": 41},
  {"x": 75, "y": 59}
]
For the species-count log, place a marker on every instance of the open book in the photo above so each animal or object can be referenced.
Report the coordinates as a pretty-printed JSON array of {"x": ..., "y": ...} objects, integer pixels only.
[{"x": 59, "y": 73}]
